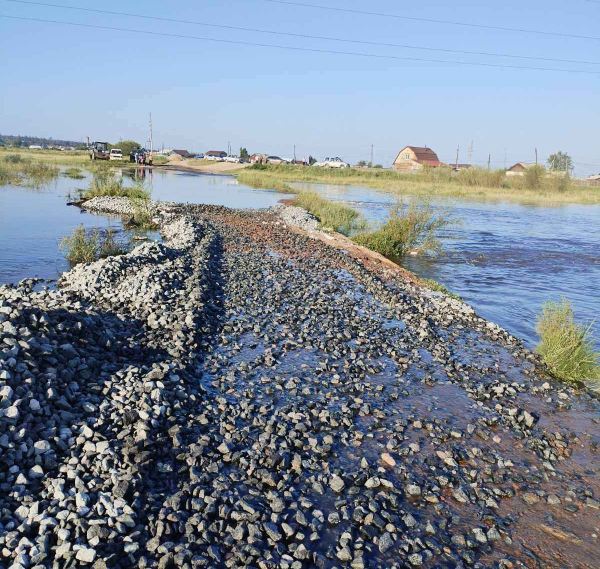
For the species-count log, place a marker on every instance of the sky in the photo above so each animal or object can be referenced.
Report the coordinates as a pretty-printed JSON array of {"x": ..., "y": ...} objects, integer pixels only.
[{"x": 71, "y": 82}]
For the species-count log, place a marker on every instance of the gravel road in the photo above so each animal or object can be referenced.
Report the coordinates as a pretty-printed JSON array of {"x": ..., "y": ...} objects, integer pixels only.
[{"x": 241, "y": 395}]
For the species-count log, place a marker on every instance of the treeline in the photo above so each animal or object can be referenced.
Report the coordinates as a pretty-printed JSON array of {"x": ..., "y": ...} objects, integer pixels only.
[{"x": 23, "y": 140}]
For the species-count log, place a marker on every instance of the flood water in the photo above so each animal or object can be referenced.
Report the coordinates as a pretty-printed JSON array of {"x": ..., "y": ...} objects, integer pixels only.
[
  {"x": 33, "y": 221},
  {"x": 506, "y": 259}
]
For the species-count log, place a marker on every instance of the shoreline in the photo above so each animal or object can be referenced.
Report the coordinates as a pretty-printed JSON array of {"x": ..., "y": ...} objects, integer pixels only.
[{"x": 247, "y": 382}]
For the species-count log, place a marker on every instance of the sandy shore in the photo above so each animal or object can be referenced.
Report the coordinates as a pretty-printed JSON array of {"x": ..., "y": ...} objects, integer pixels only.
[{"x": 203, "y": 166}]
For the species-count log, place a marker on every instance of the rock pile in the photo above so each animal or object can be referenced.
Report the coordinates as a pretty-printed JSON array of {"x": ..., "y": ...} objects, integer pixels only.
[{"x": 243, "y": 396}]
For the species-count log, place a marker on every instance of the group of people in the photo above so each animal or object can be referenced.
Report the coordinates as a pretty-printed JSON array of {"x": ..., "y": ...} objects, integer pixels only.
[{"x": 140, "y": 157}]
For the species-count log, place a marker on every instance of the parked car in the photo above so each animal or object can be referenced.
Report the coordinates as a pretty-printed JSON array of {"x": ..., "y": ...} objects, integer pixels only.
[
  {"x": 232, "y": 159},
  {"x": 199, "y": 156},
  {"x": 336, "y": 162},
  {"x": 116, "y": 154},
  {"x": 276, "y": 160}
]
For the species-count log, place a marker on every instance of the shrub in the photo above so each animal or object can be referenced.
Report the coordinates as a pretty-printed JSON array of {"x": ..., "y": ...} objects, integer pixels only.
[
  {"x": 86, "y": 246},
  {"x": 331, "y": 215},
  {"x": 534, "y": 176},
  {"x": 565, "y": 345},
  {"x": 411, "y": 227}
]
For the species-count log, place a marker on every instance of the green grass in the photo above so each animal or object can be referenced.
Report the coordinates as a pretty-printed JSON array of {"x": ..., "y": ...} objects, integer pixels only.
[
  {"x": 331, "y": 215},
  {"x": 410, "y": 228},
  {"x": 74, "y": 173},
  {"x": 565, "y": 345},
  {"x": 477, "y": 184},
  {"x": 257, "y": 179},
  {"x": 142, "y": 215},
  {"x": 86, "y": 246},
  {"x": 104, "y": 183},
  {"x": 18, "y": 170},
  {"x": 439, "y": 287}
]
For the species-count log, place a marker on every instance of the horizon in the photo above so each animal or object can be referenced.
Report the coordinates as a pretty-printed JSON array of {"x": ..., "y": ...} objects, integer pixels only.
[{"x": 208, "y": 93}]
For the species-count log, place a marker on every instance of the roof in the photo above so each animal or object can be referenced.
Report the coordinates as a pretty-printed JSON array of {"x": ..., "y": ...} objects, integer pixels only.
[
  {"x": 182, "y": 153},
  {"x": 523, "y": 165},
  {"x": 215, "y": 153},
  {"x": 424, "y": 155}
]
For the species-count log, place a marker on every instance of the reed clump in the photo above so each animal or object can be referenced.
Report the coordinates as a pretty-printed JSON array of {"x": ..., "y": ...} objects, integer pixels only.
[
  {"x": 73, "y": 173},
  {"x": 410, "y": 228},
  {"x": 260, "y": 180},
  {"x": 86, "y": 246},
  {"x": 105, "y": 183},
  {"x": 331, "y": 215},
  {"x": 142, "y": 217},
  {"x": 24, "y": 171},
  {"x": 565, "y": 345}
]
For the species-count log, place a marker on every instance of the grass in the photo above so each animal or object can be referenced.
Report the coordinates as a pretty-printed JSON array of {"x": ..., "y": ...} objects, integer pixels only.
[
  {"x": 476, "y": 184},
  {"x": 74, "y": 173},
  {"x": 257, "y": 179},
  {"x": 104, "y": 183},
  {"x": 439, "y": 287},
  {"x": 24, "y": 171},
  {"x": 565, "y": 345},
  {"x": 331, "y": 215},
  {"x": 142, "y": 215},
  {"x": 410, "y": 228},
  {"x": 86, "y": 246}
]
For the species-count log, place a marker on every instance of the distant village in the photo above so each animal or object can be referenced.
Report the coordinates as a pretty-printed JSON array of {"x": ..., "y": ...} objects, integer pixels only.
[{"x": 409, "y": 158}]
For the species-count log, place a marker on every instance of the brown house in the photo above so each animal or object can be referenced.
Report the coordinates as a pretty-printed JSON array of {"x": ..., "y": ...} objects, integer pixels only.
[
  {"x": 412, "y": 158},
  {"x": 183, "y": 153},
  {"x": 519, "y": 169}
]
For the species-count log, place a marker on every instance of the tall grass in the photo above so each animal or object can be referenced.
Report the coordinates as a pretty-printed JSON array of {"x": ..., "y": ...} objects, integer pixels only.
[
  {"x": 86, "y": 246},
  {"x": 104, "y": 183},
  {"x": 410, "y": 228},
  {"x": 257, "y": 179},
  {"x": 73, "y": 173},
  {"x": 142, "y": 215},
  {"x": 331, "y": 215},
  {"x": 565, "y": 345},
  {"x": 23, "y": 171},
  {"x": 475, "y": 184}
]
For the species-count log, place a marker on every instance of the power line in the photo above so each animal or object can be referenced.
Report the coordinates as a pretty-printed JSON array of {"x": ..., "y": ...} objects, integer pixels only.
[
  {"x": 303, "y": 49},
  {"x": 303, "y": 36},
  {"x": 435, "y": 21}
]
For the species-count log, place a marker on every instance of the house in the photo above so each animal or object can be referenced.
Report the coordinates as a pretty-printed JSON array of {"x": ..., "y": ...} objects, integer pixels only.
[
  {"x": 519, "y": 168},
  {"x": 215, "y": 154},
  {"x": 258, "y": 158},
  {"x": 458, "y": 167},
  {"x": 594, "y": 180},
  {"x": 182, "y": 153},
  {"x": 413, "y": 158}
]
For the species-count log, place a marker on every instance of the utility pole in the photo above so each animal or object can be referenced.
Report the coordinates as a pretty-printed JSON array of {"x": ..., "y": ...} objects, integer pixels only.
[
  {"x": 456, "y": 163},
  {"x": 294, "y": 153},
  {"x": 228, "y": 148},
  {"x": 489, "y": 160},
  {"x": 371, "y": 163},
  {"x": 536, "y": 157},
  {"x": 150, "y": 133}
]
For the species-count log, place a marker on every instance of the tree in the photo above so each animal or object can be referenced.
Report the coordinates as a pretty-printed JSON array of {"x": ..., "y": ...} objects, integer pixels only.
[
  {"x": 362, "y": 163},
  {"x": 311, "y": 160},
  {"x": 560, "y": 161},
  {"x": 126, "y": 146},
  {"x": 244, "y": 156}
]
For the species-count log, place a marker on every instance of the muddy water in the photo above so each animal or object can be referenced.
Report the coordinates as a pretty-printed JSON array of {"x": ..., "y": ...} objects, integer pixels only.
[
  {"x": 33, "y": 222},
  {"x": 505, "y": 259}
]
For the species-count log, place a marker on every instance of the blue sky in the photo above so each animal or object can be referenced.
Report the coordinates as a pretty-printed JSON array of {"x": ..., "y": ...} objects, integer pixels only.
[{"x": 72, "y": 82}]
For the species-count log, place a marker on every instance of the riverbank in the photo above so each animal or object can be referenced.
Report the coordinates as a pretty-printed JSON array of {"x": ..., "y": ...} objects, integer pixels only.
[
  {"x": 429, "y": 184},
  {"x": 247, "y": 394}
]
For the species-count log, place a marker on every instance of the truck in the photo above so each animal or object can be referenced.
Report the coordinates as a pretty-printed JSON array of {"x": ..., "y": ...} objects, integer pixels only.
[{"x": 99, "y": 151}]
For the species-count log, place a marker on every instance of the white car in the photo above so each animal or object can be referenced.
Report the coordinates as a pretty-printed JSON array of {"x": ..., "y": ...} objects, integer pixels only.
[
  {"x": 233, "y": 159},
  {"x": 115, "y": 154},
  {"x": 336, "y": 162}
]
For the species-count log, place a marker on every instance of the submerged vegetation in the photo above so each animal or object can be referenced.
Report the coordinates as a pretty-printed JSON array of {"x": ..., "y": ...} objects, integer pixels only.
[
  {"x": 74, "y": 173},
  {"x": 410, "y": 228},
  {"x": 565, "y": 345},
  {"x": 331, "y": 215},
  {"x": 24, "y": 171},
  {"x": 86, "y": 246},
  {"x": 261, "y": 180},
  {"x": 480, "y": 184}
]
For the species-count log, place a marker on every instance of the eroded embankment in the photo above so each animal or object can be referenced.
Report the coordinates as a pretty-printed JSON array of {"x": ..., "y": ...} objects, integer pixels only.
[{"x": 242, "y": 395}]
